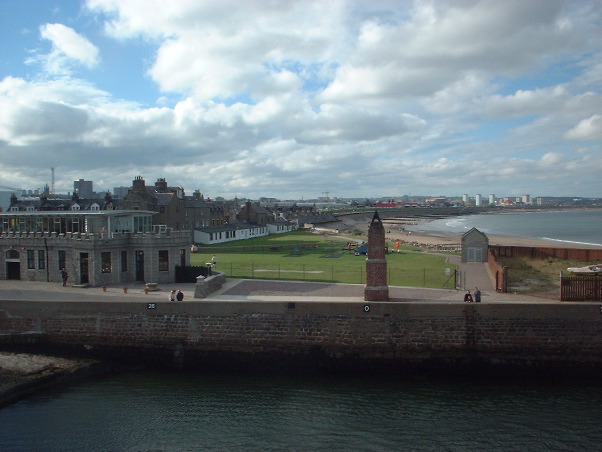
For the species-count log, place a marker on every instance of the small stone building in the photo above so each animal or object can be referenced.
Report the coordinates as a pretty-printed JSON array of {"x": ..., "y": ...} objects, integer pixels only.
[{"x": 474, "y": 246}]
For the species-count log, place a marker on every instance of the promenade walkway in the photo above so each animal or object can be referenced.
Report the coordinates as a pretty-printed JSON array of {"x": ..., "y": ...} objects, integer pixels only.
[{"x": 258, "y": 290}]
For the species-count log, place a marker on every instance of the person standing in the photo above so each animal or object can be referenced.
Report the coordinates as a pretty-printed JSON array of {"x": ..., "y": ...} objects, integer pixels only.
[
  {"x": 477, "y": 295},
  {"x": 172, "y": 295},
  {"x": 214, "y": 261},
  {"x": 179, "y": 295},
  {"x": 468, "y": 297},
  {"x": 64, "y": 276}
]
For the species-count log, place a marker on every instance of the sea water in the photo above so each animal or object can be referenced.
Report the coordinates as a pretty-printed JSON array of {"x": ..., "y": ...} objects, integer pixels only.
[
  {"x": 571, "y": 226},
  {"x": 168, "y": 411}
]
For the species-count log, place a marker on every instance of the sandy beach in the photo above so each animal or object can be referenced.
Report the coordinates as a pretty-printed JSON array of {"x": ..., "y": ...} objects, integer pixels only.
[{"x": 440, "y": 239}]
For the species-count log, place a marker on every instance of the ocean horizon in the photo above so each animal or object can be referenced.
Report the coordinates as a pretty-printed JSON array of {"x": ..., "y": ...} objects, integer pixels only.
[{"x": 575, "y": 226}]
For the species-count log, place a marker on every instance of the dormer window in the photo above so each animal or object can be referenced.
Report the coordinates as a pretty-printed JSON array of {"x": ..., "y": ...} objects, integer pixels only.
[
  {"x": 95, "y": 207},
  {"x": 75, "y": 207}
]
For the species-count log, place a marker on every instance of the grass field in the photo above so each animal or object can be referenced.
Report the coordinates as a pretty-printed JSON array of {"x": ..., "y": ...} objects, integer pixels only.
[
  {"x": 309, "y": 257},
  {"x": 538, "y": 277}
]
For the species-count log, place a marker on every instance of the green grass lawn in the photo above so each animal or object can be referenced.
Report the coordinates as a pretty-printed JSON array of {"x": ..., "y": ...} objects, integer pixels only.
[{"x": 303, "y": 256}]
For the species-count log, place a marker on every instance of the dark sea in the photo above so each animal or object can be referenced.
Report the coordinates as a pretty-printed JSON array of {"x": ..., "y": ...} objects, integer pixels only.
[
  {"x": 571, "y": 226},
  {"x": 164, "y": 411}
]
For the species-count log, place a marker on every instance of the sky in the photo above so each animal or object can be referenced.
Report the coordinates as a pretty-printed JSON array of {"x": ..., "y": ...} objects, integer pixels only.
[{"x": 300, "y": 99}]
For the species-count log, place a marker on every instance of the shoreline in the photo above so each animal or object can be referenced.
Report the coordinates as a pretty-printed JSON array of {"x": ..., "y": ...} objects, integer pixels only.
[
  {"x": 24, "y": 374},
  {"x": 439, "y": 238},
  {"x": 442, "y": 239}
]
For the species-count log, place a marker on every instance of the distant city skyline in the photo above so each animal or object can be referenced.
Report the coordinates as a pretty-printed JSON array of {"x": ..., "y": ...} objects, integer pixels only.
[
  {"x": 288, "y": 99},
  {"x": 122, "y": 191}
]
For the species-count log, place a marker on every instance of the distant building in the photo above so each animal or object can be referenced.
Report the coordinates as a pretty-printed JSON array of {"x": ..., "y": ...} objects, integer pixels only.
[
  {"x": 120, "y": 192},
  {"x": 84, "y": 188},
  {"x": 167, "y": 202}
]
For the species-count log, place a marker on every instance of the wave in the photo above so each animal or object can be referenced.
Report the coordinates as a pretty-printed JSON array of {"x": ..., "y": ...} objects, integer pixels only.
[{"x": 571, "y": 241}]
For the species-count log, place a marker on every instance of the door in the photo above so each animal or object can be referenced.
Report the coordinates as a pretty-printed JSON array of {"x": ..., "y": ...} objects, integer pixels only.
[
  {"x": 84, "y": 266},
  {"x": 475, "y": 255},
  {"x": 13, "y": 264},
  {"x": 13, "y": 270},
  {"x": 139, "y": 265}
]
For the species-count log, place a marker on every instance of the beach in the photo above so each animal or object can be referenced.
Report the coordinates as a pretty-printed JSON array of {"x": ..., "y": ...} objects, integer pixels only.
[{"x": 438, "y": 239}]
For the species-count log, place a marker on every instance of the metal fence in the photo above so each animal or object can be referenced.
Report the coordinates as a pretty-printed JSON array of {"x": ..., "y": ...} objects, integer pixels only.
[{"x": 415, "y": 277}]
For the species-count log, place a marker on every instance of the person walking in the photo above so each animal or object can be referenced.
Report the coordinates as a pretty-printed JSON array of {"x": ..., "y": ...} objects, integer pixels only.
[
  {"x": 477, "y": 295},
  {"x": 64, "y": 276},
  {"x": 179, "y": 295},
  {"x": 172, "y": 295}
]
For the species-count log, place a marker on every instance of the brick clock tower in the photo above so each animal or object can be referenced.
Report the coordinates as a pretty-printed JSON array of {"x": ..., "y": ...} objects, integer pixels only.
[{"x": 376, "y": 264}]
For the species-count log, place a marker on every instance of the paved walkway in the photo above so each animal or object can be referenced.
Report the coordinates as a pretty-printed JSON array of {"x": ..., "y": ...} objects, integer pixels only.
[{"x": 258, "y": 290}]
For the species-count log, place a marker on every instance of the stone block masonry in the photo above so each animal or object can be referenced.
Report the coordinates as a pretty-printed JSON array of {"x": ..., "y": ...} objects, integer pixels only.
[{"x": 322, "y": 334}]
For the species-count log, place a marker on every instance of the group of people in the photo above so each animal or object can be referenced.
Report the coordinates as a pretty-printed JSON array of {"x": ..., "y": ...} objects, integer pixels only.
[
  {"x": 470, "y": 297},
  {"x": 176, "y": 296}
]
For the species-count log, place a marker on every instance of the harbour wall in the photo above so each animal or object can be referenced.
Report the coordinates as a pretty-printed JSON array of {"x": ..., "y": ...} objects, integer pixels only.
[{"x": 359, "y": 335}]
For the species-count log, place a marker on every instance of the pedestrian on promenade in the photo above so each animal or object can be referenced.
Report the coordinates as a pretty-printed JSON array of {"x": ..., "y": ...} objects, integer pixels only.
[
  {"x": 64, "y": 276},
  {"x": 179, "y": 296},
  {"x": 172, "y": 295},
  {"x": 468, "y": 297},
  {"x": 477, "y": 295}
]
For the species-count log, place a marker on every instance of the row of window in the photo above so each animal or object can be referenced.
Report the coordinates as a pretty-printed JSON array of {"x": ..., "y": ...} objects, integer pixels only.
[
  {"x": 74, "y": 207},
  {"x": 105, "y": 260}
]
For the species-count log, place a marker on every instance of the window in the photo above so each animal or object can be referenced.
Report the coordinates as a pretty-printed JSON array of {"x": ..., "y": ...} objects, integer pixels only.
[
  {"x": 124, "y": 261},
  {"x": 41, "y": 259},
  {"x": 182, "y": 258},
  {"x": 62, "y": 259},
  {"x": 31, "y": 260},
  {"x": 163, "y": 260},
  {"x": 105, "y": 262}
]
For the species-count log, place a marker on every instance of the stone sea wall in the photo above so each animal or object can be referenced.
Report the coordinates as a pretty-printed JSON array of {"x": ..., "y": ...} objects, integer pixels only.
[{"x": 318, "y": 334}]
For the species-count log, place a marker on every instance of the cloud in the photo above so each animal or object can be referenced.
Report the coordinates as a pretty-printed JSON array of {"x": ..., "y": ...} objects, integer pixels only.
[
  {"x": 68, "y": 48},
  {"x": 292, "y": 99},
  {"x": 589, "y": 129}
]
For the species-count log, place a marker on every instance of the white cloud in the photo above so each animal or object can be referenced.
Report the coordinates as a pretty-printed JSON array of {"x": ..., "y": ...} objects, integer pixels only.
[
  {"x": 589, "y": 129},
  {"x": 68, "y": 48},
  {"x": 296, "y": 98}
]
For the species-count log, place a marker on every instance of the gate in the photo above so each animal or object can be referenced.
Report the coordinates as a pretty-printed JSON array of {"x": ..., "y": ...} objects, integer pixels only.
[
  {"x": 581, "y": 288},
  {"x": 189, "y": 273}
]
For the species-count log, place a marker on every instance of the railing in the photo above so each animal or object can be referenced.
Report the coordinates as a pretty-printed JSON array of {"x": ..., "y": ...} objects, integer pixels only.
[{"x": 411, "y": 276}]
